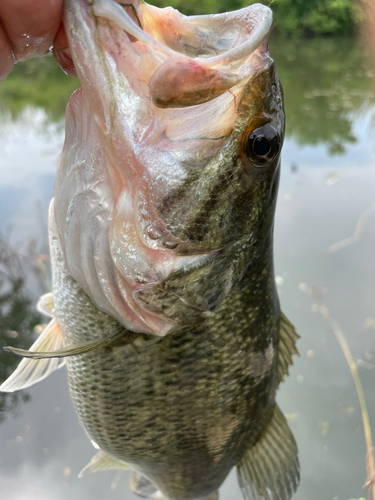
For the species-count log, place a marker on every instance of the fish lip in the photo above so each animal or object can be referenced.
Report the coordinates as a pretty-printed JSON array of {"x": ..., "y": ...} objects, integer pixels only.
[
  {"x": 180, "y": 78},
  {"x": 109, "y": 9}
]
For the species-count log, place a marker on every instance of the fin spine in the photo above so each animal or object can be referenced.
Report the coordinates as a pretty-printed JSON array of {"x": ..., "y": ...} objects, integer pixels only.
[
  {"x": 102, "y": 462},
  {"x": 32, "y": 371},
  {"x": 287, "y": 346},
  {"x": 75, "y": 349}
]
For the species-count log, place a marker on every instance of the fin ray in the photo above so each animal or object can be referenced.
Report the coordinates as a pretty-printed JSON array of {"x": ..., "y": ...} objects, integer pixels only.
[
  {"x": 46, "y": 305},
  {"x": 142, "y": 486},
  {"x": 101, "y": 462},
  {"x": 270, "y": 469},
  {"x": 30, "y": 371},
  {"x": 75, "y": 349},
  {"x": 287, "y": 346}
]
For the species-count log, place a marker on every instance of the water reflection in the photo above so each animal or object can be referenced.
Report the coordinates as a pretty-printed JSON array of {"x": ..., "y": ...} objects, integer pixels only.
[
  {"x": 39, "y": 83},
  {"x": 328, "y": 85},
  {"x": 18, "y": 317}
]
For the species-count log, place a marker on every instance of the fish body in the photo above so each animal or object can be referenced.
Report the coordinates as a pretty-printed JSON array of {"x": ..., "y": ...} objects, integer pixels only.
[
  {"x": 184, "y": 409},
  {"x": 161, "y": 236}
]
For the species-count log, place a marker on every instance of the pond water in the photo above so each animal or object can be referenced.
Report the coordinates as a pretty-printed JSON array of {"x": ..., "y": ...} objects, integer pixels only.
[{"x": 326, "y": 192}]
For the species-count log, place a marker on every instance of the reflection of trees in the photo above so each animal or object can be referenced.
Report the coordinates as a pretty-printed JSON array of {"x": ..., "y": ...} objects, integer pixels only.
[
  {"x": 18, "y": 317},
  {"x": 291, "y": 17},
  {"x": 326, "y": 85},
  {"x": 40, "y": 83}
]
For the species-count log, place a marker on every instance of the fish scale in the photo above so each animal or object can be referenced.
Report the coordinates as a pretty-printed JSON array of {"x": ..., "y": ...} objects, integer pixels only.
[{"x": 181, "y": 401}]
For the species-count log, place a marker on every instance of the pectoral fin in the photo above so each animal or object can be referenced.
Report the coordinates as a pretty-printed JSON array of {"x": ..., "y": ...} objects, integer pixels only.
[
  {"x": 29, "y": 371},
  {"x": 269, "y": 470},
  {"x": 287, "y": 346},
  {"x": 101, "y": 462},
  {"x": 121, "y": 336},
  {"x": 46, "y": 305}
]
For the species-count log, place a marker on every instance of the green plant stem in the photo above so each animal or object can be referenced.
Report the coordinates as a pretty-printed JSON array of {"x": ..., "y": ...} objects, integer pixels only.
[{"x": 370, "y": 463}]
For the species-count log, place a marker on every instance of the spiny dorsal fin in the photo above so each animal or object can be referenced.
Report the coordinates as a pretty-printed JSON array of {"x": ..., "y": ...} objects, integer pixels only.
[
  {"x": 121, "y": 335},
  {"x": 46, "y": 305},
  {"x": 287, "y": 346},
  {"x": 269, "y": 470},
  {"x": 29, "y": 371},
  {"x": 100, "y": 462}
]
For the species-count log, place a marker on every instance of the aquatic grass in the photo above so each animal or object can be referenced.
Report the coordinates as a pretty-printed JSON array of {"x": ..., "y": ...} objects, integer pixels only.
[
  {"x": 18, "y": 318},
  {"x": 361, "y": 224},
  {"x": 370, "y": 462}
]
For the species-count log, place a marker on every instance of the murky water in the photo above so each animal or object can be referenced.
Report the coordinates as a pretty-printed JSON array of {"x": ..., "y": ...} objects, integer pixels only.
[{"x": 327, "y": 191}]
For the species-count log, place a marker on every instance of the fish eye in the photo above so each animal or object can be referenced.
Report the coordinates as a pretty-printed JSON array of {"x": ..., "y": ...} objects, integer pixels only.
[{"x": 262, "y": 145}]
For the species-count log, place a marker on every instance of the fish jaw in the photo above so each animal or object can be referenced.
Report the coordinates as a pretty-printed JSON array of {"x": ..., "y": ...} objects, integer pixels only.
[
  {"x": 153, "y": 112},
  {"x": 172, "y": 59}
]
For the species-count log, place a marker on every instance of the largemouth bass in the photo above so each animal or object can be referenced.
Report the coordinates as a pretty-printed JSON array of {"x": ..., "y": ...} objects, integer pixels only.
[{"x": 164, "y": 303}]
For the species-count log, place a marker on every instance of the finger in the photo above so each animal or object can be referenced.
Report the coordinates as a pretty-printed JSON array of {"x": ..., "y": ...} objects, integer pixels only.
[
  {"x": 30, "y": 25},
  {"x": 61, "y": 52},
  {"x": 6, "y": 57}
]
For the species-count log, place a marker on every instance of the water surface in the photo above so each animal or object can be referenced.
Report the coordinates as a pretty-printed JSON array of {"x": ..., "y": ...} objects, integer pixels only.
[{"x": 327, "y": 184}]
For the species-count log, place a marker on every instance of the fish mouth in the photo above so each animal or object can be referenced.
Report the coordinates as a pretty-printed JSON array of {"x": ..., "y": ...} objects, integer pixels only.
[
  {"x": 159, "y": 99},
  {"x": 210, "y": 55},
  {"x": 148, "y": 64}
]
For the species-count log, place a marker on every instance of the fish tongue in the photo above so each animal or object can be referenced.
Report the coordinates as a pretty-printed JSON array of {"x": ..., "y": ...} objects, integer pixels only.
[{"x": 182, "y": 82}]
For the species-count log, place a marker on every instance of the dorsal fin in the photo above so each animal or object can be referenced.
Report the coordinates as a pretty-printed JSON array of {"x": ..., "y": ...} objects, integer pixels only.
[
  {"x": 100, "y": 462},
  {"x": 30, "y": 371},
  {"x": 287, "y": 346}
]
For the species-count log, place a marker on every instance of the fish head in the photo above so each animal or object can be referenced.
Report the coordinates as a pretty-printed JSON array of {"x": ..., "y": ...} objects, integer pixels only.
[{"x": 169, "y": 172}]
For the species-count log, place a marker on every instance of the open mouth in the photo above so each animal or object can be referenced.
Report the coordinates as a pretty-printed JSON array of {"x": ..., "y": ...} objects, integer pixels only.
[
  {"x": 197, "y": 58},
  {"x": 161, "y": 93}
]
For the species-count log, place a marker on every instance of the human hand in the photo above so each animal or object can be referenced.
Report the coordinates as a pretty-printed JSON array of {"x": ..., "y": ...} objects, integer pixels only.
[{"x": 29, "y": 28}]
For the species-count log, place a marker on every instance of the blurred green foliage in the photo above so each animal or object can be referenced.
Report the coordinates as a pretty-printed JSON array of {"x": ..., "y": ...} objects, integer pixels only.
[
  {"x": 327, "y": 83},
  {"x": 291, "y": 17},
  {"x": 38, "y": 82}
]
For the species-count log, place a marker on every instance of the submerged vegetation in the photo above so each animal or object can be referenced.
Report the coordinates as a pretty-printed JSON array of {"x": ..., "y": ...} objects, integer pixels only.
[
  {"x": 292, "y": 17},
  {"x": 18, "y": 316}
]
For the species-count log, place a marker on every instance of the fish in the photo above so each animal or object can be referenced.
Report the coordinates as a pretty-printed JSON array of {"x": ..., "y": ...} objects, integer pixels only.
[{"x": 164, "y": 306}]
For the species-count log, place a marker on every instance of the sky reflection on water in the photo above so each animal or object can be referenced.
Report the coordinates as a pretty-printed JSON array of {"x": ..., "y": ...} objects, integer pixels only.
[{"x": 327, "y": 182}]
